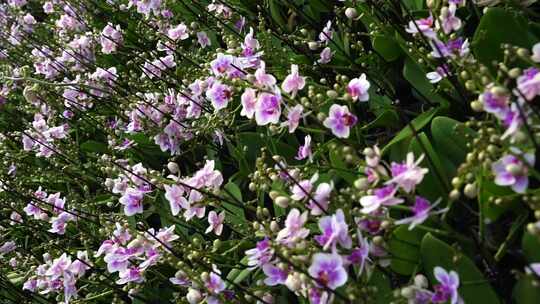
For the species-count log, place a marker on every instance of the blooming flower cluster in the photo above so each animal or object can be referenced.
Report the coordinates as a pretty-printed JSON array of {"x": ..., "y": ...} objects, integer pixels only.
[
  {"x": 131, "y": 256},
  {"x": 59, "y": 275},
  {"x": 285, "y": 151}
]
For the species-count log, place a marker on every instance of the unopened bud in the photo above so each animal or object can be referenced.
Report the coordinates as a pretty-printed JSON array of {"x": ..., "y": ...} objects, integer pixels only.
[
  {"x": 193, "y": 296},
  {"x": 313, "y": 45},
  {"x": 173, "y": 167},
  {"x": 470, "y": 190},
  {"x": 420, "y": 281},
  {"x": 351, "y": 13},
  {"x": 282, "y": 201}
]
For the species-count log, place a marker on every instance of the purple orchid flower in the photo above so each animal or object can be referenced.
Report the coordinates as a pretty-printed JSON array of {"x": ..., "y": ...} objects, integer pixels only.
[
  {"x": 382, "y": 197},
  {"x": 175, "y": 195},
  {"x": 260, "y": 255},
  {"x": 327, "y": 270},
  {"x": 448, "y": 20},
  {"x": 358, "y": 88},
  {"x": 421, "y": 210},
  {"x": 249, "y": 100},
  {"x": 495, "y": 104},
  {"x": 293, "y": 118},
  {"x": 447, "y": 290},
  {"x": 424, "y": 26},
  {"x": 529, "y": 83},
  {"x": 178, "y": 32},
  {"x": 216, "y": 222},
  {"x": 334, "y": 231},
  {"x": 267, "y": 109},
  {"x": 360, "y": 255},
  {"x": 325, "y": 56},
  {"x": 219, "y": 94},
  {"x": 293, "y": 82},
  {"x": 132, "y": 201},
  {"x": 408, "y": 174},
  {"x": 511, "y": 171},
  {"x": 340, "y": 120},
  {"x": 294, "y": 228},
  {"x": 304, "y": 151},
  {"x": 274, "y": 275}
]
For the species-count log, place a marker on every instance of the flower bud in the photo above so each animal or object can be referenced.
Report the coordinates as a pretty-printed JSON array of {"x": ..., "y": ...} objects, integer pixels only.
[
  {"x": 44, "y": 216},
  {"x": 282, "y": 201},
  {"x": 332, "y": 94},
  {"x": 514, "y": 169},
  {"x": 454, "y": 195},
  {"x": 522, "y": 52},
  {"x": 109, "y": 183},
  {"x": 477, "y": 106},
  {"x": 313, "y": 45},
  {"x": 407, "y": 292},
  {"x": 293, "y": 282},
  {"x": 361, "y": 183},
  {"x": 29, "y": 94},
  {"x": 498, "y": 90},
  {"x": 351, "y": 13},
  {"x": 273, "y": 194},
  {"x": 470, "y": 190},
  {"x": 193, "y": 296},
  {"x": 514, "y": 73},
  {"x": 420, "y": 281},
  {"x": 173, "y": 167},
  {"x": 369, "y": 152},
  {"x": 274, "y": 226},
  {"x": 205, "y": 276},
  {"x": 378, "y": 240}
]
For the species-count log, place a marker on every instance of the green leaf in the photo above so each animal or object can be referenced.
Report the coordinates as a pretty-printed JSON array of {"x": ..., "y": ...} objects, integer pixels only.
[
  {"x": 499, "y": 26},
  {"x": 417, "y": 78},
  {"x": 418, "y": 123},
  {"x": 93, "y": 146},
  {"x": 414, "y": 4},
  {"x": 236, "y": 212},
  {"x": 337, "y": 161},
  {"x": 531, "y": 247},
  {"x": 238, "y": 275},
  {"x": 404, "y": 247},
  {"x": 436, "y": 181},
  {"x": 525, "y": 292},
  {"x": 275, "y": 13},
  {"x": 449, "y": 138},
  {"x": 387, "y": 47},
  {"x": 384, "y": 292},
  {"x": 474, "y": 288},
  {"x": 489, "y": 189}
]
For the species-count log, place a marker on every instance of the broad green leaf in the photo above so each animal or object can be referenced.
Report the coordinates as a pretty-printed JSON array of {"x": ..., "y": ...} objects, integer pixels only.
[
  {"x": 404, "y": 247},
  {"x": 94, "y": 147},
  {"x": 238, "y": 275},
  {"x": 436, "y": 181},
  {"x": 488, "y": 189},
  {"x": 387, "y": 47},
  {"x": 474, "y": 288},
  {"x": 235, "y": 195},
  {"x": 414, "y": 4},
  {"x": 275, "y": 13},
  {"x": 531, "y": 247},
  {"x": 384, "y": 293},
  {"x": 418, "y": 123},
  {"x": 449, "y": 138},
  {"x": 417, "y": 78},
  {"x": 341, "y": 169},
  {"x": 496, "y": 27},
  {"x": 525, "y": 292}
]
